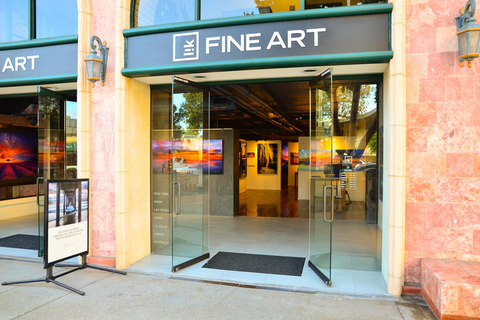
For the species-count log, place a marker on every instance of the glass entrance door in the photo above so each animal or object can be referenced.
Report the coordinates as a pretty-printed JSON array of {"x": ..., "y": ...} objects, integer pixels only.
[
  {"x": 51, "y": 146},
  {"x": 190, "y": 172},
  {"x": 322, "y": 185}
]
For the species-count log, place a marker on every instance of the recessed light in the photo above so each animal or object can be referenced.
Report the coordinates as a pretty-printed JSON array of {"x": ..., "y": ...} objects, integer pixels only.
[
  {"x": 310, "y": 70},
  {"x": 200, "y": 77}
]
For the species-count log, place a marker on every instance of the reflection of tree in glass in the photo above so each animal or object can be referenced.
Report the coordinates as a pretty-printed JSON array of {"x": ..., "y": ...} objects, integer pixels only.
[
  {"x": 189, "y": 116},
  {"x": 345, "y": 99},
  {"x": 48, "y": 105},
  {"x": 350, "y": 103},
  {"x": 372, "y": 144},
  {"x": 324, "y": 110}
]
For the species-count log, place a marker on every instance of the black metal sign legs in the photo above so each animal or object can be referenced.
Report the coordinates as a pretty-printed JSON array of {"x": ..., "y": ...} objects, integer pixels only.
[
  {"x": 85, "y": 265},
  {"x": 51, "y": 278}
]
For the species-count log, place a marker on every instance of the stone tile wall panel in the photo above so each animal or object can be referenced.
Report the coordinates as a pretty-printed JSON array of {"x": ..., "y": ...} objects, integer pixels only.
[{"x": 443, "y": 140}]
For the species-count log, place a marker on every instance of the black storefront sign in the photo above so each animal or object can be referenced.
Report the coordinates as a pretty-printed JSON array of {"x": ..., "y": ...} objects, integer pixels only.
[
  {"x": 38, "y": 62},
  {"x": 299, "y": 38}
]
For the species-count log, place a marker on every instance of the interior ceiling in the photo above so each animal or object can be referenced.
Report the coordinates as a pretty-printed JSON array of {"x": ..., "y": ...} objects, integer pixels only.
[
  {"x": 261, "y": 111},
  {"x": 266, "y": 111}
]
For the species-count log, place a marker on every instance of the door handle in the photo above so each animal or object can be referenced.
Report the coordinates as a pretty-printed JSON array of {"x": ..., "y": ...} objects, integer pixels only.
[
  {"x": 325, "y": 204},
  {"x": 179, "y": 200},
  {"x": 38, "y": 192}
]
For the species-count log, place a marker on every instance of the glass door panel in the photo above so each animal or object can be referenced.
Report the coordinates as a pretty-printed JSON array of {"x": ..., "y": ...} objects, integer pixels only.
[
  {"x": 51, "y": 147},
  {"x": 189, "y": 175},
  {"x": 322, "y": 185}
]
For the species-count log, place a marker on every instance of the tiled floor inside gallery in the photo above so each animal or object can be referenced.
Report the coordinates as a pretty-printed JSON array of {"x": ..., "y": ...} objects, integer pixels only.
[{"x": 285, "y": 237}]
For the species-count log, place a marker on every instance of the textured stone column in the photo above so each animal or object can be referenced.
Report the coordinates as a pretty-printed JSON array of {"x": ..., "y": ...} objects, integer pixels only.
[
  {"x": 397, "y": 156},
  {"x": 83, "y": 92}
]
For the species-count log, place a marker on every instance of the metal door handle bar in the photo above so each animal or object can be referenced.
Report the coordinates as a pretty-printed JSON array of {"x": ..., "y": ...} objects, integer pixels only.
[
  {"x": 325, "y": 203},
  {"x": 179, "y": 200}
]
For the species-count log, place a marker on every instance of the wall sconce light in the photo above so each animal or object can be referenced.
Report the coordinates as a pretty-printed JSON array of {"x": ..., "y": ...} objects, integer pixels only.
[
  {"x": 468, "y": 33},
  {"x": 96, "y": 66}
]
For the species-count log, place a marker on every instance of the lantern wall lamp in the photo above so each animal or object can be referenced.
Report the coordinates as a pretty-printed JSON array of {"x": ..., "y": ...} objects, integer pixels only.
[
  {"x": 96, "y": 66},
  {"x": 468, "y": 33}
]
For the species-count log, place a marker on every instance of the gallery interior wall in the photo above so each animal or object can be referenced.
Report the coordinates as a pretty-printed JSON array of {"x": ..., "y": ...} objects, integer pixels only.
[{"x": 224, "y": 192}]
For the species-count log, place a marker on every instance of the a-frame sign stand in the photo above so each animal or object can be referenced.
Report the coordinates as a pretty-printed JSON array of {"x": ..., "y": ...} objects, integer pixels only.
[
  {"x": 67, "y": 200},
  {"x": 51, "y": 278}
]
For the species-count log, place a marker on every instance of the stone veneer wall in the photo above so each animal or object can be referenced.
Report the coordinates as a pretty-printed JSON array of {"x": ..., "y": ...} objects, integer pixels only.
[
  {"x": 442, "y": 218},
  {"x": 96, "y": 130}
]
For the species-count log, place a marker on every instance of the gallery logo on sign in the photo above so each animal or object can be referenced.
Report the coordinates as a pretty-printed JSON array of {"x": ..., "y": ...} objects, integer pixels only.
[{"x": 185, "y": 46}]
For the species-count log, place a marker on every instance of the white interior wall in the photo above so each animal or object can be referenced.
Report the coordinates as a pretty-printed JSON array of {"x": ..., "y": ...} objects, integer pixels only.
[{"x": 242, "y": 185}]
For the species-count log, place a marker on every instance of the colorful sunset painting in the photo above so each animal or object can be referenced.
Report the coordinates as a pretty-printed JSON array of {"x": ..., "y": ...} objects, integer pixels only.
[
  {"x": 18, "y": 157},
  {"x": 213, "y": 153},
  {"x": 162, "y": 156},
  {"x": 285, "y": 157},
  {"x": 185, "y": 156}
]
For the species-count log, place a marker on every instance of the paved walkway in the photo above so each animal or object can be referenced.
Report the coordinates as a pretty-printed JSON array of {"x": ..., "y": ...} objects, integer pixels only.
[{"x": 145, "y": 296}]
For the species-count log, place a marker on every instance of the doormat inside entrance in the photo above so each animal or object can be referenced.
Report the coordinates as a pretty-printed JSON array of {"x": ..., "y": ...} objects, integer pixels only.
[
  {"x": 20, "y": 241},
  {"x": 289, "y": 266}
]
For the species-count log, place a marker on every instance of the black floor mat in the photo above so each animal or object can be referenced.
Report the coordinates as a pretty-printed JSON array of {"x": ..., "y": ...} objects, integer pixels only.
[
  {"x": 289, "y": 266},
  {"x": 20, "y": 241}
]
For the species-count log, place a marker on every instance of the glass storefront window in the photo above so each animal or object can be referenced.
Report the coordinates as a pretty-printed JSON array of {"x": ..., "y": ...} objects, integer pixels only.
[
  {"x": 153, "y": 12},
  {"x": 13, "y": 20},
  {"x": 56, "y": 18},
  {"x": 317, "y": 4},
  {"x": 38, "y": 138},
  {"x": 214, "y": 9},
  {"x": 53, "y": 18},
  {"x": 158, "y": 12}
]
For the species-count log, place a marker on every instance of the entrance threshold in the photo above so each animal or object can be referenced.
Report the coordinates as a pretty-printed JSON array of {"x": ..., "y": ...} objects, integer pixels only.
[
  {"x": 344, "y": 281},
  {"x": 269, "y": 236}
]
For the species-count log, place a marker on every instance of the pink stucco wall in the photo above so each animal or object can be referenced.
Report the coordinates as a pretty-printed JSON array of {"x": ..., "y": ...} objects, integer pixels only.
[
  {"x": 443, "y": 140},
  {"x": 103, "y": 140}
]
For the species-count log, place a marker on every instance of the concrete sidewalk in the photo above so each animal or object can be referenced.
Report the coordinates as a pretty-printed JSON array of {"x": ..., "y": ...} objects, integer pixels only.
[{"x": 145, "y": 296}]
